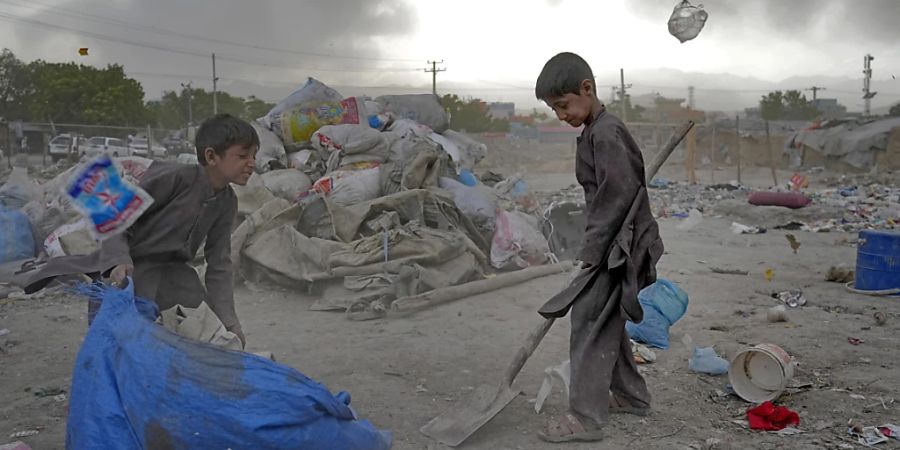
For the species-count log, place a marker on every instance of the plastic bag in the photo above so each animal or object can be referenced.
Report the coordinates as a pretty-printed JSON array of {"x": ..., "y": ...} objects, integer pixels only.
[
  {"x": 475, "y": 203},
  {"x": 425, "y": 109},
  {"x": 111, "y": 203},
  {"x": 471, "y": 152},
  {"x": 137, "y": 385},
  {"x": 296, "y": 125},
  {"x": 687, "y": 21},
  {"x": 18, "y": 189},
  {"x": 517, "y": 242},
  {"x": 312, "y": 90},
  {"x": 70, "y": 239},
  {"x": 271, "y": 154},
  {"x": 664, "y": 303},
  {"x": 405, "y": 128},
  {"x": 705, "y": 360},
  {"x": 349, "y": 187},
  {"x": 16, "y": 240},
  {"x": 286, "y": 183}
]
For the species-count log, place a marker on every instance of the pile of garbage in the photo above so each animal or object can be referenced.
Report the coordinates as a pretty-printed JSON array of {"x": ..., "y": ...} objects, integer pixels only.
[{"x": 354, "y": 199}]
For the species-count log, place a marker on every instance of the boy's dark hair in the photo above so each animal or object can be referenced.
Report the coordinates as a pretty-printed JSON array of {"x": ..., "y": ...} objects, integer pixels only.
[
  {"x": 221, "y": 132},
  {"x": 562, "y": 75}
]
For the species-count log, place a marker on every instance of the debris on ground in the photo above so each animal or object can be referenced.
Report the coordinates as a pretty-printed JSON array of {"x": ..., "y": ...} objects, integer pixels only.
[
  {"x": 840, "y": 274},
  {"x": 769, "y": 417},
  {"x": 792, "y": 298},
  {"x": 777, "y": 314},
  {"x": 794, "y": 243}
]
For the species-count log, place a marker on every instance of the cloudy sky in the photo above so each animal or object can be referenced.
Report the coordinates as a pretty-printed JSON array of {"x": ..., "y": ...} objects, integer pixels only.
[{"x": 491, "y": 48}]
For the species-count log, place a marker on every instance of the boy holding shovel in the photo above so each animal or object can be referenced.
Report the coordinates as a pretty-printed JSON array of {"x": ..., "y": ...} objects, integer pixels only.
[{"x": 621, "y": 249}]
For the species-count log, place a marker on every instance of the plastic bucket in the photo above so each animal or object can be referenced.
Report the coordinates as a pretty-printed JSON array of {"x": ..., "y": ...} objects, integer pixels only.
[
  {"x": 878, "y": 260},
  {"x": 761, "y": 372}
]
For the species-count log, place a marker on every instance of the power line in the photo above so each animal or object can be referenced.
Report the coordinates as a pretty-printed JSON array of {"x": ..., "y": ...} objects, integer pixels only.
[
  {"x": 434, "y": 71},
  {"x": 148, "y": 45},
  {"x": 167, "y": 32}
]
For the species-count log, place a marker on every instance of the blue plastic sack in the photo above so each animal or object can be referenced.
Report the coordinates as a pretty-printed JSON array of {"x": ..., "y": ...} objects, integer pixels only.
[
  {"x": 136, "y": 385},
  {"x": 16, "y": 238},
  {"x": 664, "y": 303}
]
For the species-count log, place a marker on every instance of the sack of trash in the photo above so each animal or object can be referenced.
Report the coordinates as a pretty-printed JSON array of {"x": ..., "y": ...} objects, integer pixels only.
[
  {"x": 137, "y": 385},
  {"x": 16, "y": 239},
  {"x": 349, "y": 187},
  {"x": 476, "y": 203},
  {"x": 350, "y": 145},
  {"x": 271, "y": 154},
  {"x": 425, "y": 109},
  {"x": 664, "y": 303},
  {"x": 70, "y": 239},
  {"x": 312, "y": 90},
  {"x": 296, "y": 125},
  {"x": 686, "y": 21},
  {"x": 471, "y": 152},
  {"x": 286, "y": 183},
  {"x": 18, "y": 190},
  {"x": 517, "y": 242}
]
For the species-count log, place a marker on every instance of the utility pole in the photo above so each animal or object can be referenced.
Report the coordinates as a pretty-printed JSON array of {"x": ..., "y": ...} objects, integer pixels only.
[
  {"x": 691, "y": 97},
  {"x": 622, "y": 94},
  {"x": 867, "y": 82},
  {"x": 215, "y": 81},
  {"x": 815, "y": 89},
  {"x": 190, "y": 96},
  {"x": 434, "y": 71}
]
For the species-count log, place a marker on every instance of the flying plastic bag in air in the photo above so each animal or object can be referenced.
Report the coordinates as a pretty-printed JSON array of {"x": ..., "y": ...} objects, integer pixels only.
[{"x": 687, "y": 20}]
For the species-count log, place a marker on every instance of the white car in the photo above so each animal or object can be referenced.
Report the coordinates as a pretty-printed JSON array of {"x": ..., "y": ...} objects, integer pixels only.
[
  {"x": 59, "y": 147},
  {"x": 138, "y": 147},
  {"x": 98, "y": 145}
]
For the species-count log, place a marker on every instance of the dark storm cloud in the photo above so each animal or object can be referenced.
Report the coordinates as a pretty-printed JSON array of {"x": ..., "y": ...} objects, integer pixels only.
[{"x": 844, "y": 20}]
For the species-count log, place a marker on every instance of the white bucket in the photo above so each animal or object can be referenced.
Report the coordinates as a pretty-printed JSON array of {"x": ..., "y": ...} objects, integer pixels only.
[{"x": 761, "y": 372}]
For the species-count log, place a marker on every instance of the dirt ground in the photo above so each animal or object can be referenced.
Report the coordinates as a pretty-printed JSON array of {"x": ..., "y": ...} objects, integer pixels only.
[{"x": 403, "y": 371}]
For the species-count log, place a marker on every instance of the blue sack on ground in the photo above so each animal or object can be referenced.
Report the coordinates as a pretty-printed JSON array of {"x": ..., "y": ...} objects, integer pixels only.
[
  {"x": 16, "y": 239},
  {"x": 705, "y": 360},
  {"x": 663, "y": 303},
  {"x": 137, "y": 385}
]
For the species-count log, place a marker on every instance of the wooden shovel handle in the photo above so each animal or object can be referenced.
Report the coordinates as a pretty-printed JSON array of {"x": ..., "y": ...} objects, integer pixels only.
[{"x": 526, "y": 350}]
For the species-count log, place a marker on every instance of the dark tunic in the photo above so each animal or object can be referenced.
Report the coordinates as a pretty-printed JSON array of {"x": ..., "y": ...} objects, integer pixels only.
[
  {"x": 622, "y": 244},
  {"x": 186, "y": 211}
]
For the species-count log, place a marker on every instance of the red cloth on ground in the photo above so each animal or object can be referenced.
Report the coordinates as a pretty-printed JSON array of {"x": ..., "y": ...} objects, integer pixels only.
[{"x": 769, "y": 417}]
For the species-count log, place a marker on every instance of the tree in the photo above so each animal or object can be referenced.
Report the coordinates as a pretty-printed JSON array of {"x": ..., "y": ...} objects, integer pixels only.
[
  {"x": 14, "y": 86},
  {"x": 895, "y": 110},
  {"x": 172, "y": 110},
  {"x": 634, "y": 111},
  {"x": 788, "y": 105},
  {"x": 471, "y": 115}
]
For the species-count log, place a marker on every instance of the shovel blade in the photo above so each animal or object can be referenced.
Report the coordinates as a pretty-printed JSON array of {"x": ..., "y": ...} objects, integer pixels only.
[{"x": 458, "y": 423}]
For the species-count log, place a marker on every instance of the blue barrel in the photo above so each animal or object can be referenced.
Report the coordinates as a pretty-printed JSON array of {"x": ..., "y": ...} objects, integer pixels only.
[{"x": 878, "y": 260}]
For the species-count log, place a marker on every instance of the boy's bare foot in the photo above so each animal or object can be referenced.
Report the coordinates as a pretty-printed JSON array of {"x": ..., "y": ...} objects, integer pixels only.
[
  {"x": 619, "y": 406},
  {"x": 569, "y": 428}
]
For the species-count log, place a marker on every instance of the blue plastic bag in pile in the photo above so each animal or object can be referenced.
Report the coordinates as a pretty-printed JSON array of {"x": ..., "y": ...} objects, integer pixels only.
[
  {"x": 136, "y": 385},
  {"x": 663, "y": 303},
  {"x": 16, "y": 239}
]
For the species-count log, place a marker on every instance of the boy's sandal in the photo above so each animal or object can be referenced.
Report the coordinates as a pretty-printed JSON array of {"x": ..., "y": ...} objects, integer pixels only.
[
  {"x": 619, "y": 406},
  {"x": 567, "y": 429}
]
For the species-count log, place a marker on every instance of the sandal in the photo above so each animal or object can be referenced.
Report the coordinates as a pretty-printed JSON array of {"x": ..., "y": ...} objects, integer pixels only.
[
  {"x": 569, "y": 428},
  {"x": 619, "y": 406}
]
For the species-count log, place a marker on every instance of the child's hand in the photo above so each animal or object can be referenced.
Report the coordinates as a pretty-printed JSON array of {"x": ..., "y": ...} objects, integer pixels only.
[
  {"x": 120, "y": 273},
  {"x": 236, "y": 329}
]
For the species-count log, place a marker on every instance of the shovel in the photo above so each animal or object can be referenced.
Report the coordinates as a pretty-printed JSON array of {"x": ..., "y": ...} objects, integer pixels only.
[{"x": 456, "y": 425}]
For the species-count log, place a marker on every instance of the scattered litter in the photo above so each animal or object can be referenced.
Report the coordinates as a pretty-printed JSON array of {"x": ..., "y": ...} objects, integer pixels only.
[
  {"x": 777, "y": 314},
  {"x": 24, "y": 433},
  {"x": 890, "y": 430},
  {"x": 789, "y": 431},
  {"x": 880, "y": 318},
  {"x": 867, "y": 436},
  {"x": 857, "y": 397},
  {"x": 642, "y": 353},
  {"x": 694, "y": 218},
  {"x": 768, "y": 417},
  {"x": 664, "y": 303},
  {"x": 855, "y": 341},
  {"x": 559, "y": 374},
  {"x": 48, "y": 392},
  {"x": 4, "y": 332},
  {"x": 769, "y": 274},
  {"x": 720, "y": 270},
  {"x": 704, "y": 359},
  {"x": 840, "y": 274},
  {"x": 420, "y": 388},
  {"x": 737, "y": 228},
  {"x": 18, "y": 445},
  {"x": 794, "y": 243},
  {"x": 59, "y": 398},
  {"x": 761, "y": 373},
  {"x": 792, "y": 298}
]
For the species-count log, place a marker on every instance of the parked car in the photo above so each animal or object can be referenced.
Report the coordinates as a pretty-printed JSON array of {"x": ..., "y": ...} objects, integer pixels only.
[
  {"x": 111, "y": 146},
  {"x": 138, "y": 147},
  {"x": 61, "y": 145}
]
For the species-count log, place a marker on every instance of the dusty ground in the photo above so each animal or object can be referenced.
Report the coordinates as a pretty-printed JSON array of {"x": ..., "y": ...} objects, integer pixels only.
[{"x": 403, "y": 371}]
